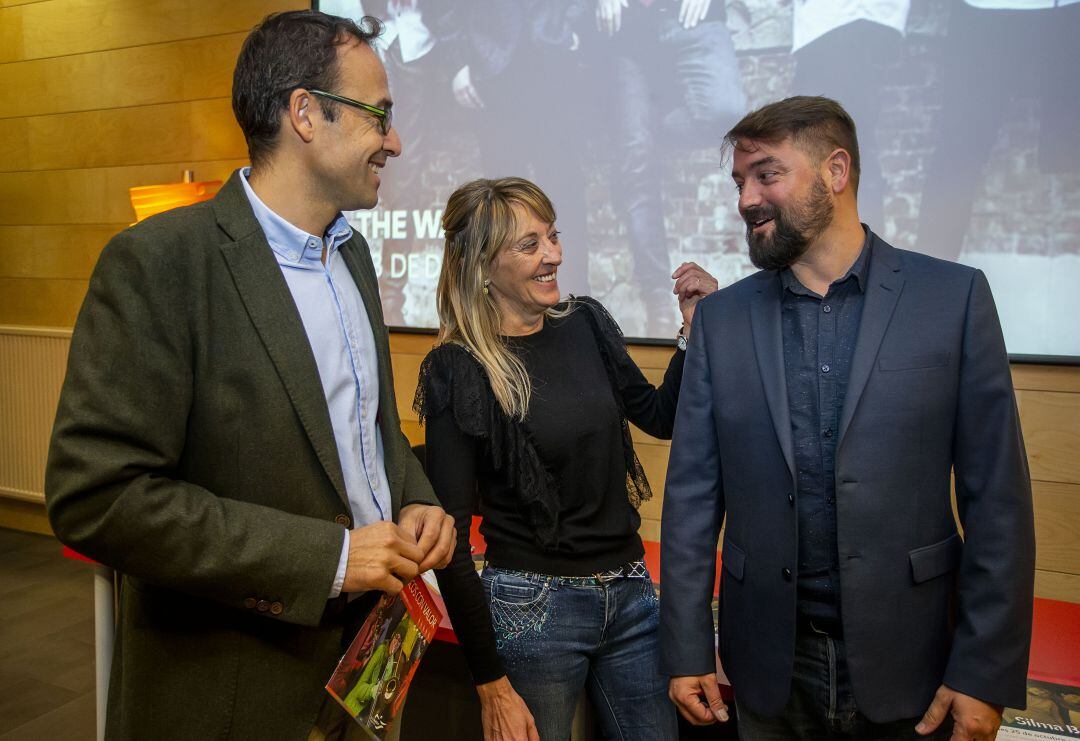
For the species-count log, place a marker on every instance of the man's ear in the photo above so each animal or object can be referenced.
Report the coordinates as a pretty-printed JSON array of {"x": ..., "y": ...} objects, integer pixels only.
[
  {"x": 838, "y": 169},
  {"x": 302, "y": 108}
]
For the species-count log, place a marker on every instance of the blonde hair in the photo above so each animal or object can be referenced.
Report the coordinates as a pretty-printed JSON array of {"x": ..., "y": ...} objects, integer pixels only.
[{"x": 479, "y": 221}]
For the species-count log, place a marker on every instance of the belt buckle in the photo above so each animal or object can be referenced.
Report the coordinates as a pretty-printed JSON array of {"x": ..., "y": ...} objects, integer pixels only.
[{"x": 607, "y": 576}]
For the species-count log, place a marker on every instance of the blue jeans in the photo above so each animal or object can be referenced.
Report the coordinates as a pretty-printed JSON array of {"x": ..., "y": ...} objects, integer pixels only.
[
  {"x": 556, "y": 637},
  {"x": 822, "y": 702}
]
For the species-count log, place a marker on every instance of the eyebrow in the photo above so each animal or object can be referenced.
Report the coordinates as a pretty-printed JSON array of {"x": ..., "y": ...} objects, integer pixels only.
[{"x": 767, "y": 160}]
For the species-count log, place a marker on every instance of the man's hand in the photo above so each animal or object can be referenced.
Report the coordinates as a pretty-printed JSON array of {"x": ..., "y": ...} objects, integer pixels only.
[
  {"x": 973, "y": 720},
  {"x": 504, "y": 714},
  {"x": 692, "y": 12},
  {"x": 465, "y": 93},
  {"x": 698, "y": 699},
  {"x": 692, "y": 283},
  {"x": 434, "y": 532},
  {"x": 609, "y": 15},
  {"x": 382, "y": 556}
]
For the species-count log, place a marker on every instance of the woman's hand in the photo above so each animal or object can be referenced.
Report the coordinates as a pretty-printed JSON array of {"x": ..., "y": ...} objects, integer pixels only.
[
  {"x": 609, "y": 15},
  {"x": 504, "y": 713},
  {"x": 692, "y": 283}
]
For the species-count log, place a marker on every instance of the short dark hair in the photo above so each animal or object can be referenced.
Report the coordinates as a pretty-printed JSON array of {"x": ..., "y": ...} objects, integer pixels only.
[
  {"x": 288, "y": 50},
  {"x": 816, "y": 124}
]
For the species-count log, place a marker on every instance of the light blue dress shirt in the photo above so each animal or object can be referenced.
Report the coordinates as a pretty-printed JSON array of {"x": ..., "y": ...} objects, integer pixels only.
[{"x": 339, "y": 331}]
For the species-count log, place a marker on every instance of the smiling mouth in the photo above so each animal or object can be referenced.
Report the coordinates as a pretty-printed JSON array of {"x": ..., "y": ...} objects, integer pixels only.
[
  {"x": 375, "y": 167},
  {"x": 759, "y": 223},
  {"x": 549, "y": 278}
]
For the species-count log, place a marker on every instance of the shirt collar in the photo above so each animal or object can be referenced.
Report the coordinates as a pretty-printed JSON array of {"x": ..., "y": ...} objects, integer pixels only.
[
  {"x": 290, "y": 242},
  {"x": 858, "y": 269}
]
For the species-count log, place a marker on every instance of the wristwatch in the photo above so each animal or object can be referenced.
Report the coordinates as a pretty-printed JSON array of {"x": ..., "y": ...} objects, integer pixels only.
[{"x": 680, "y": 339}]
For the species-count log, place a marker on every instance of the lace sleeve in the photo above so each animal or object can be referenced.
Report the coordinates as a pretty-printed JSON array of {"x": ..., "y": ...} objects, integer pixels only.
[{"x": 450, "y": 377}]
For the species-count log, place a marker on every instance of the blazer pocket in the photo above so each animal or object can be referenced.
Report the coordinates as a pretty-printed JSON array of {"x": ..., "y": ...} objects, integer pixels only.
[
  {"x": 934, "y": 560},
  {"x": 734, "y": 559},
  {"x": 913, "y": 362}
]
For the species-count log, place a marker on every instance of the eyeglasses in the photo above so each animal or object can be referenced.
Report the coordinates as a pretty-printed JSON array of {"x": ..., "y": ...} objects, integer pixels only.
[{"x": 384, "y": 115}]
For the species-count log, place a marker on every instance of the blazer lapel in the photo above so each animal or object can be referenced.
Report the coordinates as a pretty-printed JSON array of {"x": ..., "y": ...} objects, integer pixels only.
[
  {"x": 270, "y": 305},
  {"x": 769, "y": 349},
  {"x": 883, "y": 287}
]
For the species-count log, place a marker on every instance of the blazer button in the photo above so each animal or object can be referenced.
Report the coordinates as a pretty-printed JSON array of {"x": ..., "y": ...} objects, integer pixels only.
[
  {"x": 343, "y": 520},
  {"x": 791, "y": 499},
  {"x": 786, "y": 574},
  {"x": 262, "y": 606},
  {"x": 277, "y": 608},
  {"x": 250, "y": 603}
]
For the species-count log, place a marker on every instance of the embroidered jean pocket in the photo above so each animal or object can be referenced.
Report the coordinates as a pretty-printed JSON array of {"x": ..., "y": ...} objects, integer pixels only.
[{"x": 517, "y": 606}]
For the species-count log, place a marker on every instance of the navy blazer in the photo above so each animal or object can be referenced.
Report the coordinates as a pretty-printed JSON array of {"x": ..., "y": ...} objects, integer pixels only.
[{"x": 930, "y": 394}]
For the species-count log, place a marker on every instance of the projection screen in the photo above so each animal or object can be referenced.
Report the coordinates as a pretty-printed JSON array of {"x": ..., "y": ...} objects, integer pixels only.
[{"x": 967, "y": 114}]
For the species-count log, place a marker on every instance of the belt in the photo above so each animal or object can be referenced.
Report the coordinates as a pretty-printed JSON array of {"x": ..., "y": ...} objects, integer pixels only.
[{"x": 632, "y": 570}]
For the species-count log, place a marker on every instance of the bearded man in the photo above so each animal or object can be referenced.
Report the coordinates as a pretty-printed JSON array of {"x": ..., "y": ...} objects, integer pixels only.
[{"x": 826, "y": 401}]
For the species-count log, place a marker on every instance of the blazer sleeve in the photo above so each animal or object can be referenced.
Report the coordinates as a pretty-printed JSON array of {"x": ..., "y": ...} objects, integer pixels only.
[
  {"x": 989, "y": 657},
  {"x": 692, "y": 516},
  {"x": 114, "y": 482}
]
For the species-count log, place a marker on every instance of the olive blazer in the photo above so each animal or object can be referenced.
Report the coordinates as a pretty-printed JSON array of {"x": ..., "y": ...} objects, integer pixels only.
[{"x": 193, "y": 452}]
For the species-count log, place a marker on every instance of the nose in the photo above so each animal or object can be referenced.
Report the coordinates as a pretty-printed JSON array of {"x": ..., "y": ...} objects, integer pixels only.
[
  {"x": 552, "y": 252},
  {"x": 749, "y": 196},
  {"x": 392, "y": 143}
]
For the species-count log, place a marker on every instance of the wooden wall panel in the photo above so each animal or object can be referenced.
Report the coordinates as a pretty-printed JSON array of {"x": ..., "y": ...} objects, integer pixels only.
[
  {"x": 63, "y": 27},
  {"x": 40, "y": 302},
  {"x": 98, "y": 196},
  {"x": 1051, "y": 423},
  {"x": 53, "y": 251},
  {"x": 170, "y": 132},
  {"x": 193, "y": 69},
  {"x": 1057, "y": 526},
  {"x": 1056, "y": 585}
]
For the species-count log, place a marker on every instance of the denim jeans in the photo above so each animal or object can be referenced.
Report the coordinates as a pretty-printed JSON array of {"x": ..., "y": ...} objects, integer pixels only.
[
  {"x": 674, "y": 89},
  {"x": 557, "y": 637},
  {"x": 822, "y": 702}
]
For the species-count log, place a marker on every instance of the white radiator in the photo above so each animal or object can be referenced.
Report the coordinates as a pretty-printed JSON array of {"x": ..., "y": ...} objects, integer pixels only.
[{"x": 32, "y": 365}]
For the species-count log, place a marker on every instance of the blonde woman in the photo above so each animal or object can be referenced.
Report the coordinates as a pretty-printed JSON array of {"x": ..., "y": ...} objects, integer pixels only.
[{"x": 526, "y": 402}]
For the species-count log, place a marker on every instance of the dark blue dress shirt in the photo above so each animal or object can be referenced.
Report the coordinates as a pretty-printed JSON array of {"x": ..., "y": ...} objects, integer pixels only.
[{"x": 819, "y": 340}]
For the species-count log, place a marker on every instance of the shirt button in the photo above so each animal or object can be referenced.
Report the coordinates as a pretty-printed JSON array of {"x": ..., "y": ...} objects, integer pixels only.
[
  {"x": 825, "y": 368},
  {"x": 786, "y": 573},
  {"x": 827, "y": 433},
  {"x": 826, "y": 308}
]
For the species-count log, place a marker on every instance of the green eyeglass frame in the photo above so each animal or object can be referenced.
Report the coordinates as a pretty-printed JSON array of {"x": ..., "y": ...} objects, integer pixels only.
[{"x": 384, "y": 115}]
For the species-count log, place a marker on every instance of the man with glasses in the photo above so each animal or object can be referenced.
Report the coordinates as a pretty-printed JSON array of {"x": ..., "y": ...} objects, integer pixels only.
[{"x": 227, "y": 437}]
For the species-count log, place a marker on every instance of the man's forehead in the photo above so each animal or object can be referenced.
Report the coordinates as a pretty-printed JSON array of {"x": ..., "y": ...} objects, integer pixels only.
[
  {"x": 361, "y": 72},
  {"x": 751, "y": 153}
]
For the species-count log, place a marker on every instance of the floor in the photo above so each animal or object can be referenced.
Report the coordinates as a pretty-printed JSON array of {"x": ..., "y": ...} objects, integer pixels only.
[{"x": 46, "y": 641}]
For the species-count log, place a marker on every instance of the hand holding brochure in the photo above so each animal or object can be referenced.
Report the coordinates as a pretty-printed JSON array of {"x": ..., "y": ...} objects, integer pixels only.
[{"x": 373, "y": 676}]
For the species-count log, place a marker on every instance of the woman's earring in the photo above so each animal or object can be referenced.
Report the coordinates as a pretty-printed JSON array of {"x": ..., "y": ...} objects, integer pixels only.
[{"x": 487, "y": 282}]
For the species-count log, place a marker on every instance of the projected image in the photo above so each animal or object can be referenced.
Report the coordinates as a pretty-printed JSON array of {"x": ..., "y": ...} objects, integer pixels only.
[{"x": 967, "y": 115}]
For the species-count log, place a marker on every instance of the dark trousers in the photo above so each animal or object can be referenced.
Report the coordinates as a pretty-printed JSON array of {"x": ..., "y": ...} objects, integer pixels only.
[
  {"x": 673, "y": 89},
  {"x": 849, "y": 64},
  {"x": 990, "y": 55},
  {"x": 822, "y": 702}
]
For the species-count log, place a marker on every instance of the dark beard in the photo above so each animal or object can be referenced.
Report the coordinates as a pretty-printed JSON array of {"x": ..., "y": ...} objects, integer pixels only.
[{"x": 793, "y": 229}]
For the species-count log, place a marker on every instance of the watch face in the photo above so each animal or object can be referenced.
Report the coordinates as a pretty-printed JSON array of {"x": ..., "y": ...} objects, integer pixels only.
[{"x": 680, "y": 341}]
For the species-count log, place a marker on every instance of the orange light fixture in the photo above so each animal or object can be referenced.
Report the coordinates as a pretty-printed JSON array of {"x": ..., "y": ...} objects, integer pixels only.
[{"x": 148, "y": 200}]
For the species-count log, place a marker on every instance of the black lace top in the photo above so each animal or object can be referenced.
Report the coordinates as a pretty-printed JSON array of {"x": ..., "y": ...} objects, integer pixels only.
[{"x": 559, "y": 491}]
